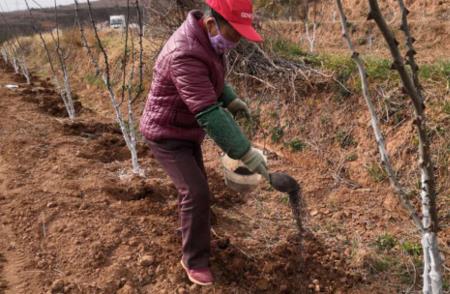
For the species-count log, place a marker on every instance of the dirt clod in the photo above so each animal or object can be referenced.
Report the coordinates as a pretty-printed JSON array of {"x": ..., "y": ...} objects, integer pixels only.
[
  {"x": 57, "y": 286},
  {"x": 51, "y": 205},
  {"x": 243, "y": 171},
  {"x": 193, "y": 287},
  {"x": 146, "y": 260},
  {"x": 127, "y": 289},
  {"x": 128, "y": 190},
  {"x": 262, "y": 284},
  {"x": 223, "y": 243},
  {"x": 284, "y": 288}
]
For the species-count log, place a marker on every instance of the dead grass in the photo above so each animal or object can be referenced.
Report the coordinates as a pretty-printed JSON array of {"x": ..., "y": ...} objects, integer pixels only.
[{"x": 429, "y": 21}]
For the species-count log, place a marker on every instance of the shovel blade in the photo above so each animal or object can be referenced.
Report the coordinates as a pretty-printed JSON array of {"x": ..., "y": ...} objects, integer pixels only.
[{"x": 284, "y": 183}]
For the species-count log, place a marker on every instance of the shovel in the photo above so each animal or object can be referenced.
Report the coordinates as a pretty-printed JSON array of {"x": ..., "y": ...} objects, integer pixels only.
[{"x": 286, "y": 184}]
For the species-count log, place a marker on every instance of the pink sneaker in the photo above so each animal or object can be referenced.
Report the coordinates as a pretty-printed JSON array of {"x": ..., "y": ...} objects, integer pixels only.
[{"x": 199, "y": 276}]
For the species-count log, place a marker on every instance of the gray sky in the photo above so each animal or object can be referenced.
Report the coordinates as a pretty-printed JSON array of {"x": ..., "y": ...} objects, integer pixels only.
[{"x": 10, "y": 5}]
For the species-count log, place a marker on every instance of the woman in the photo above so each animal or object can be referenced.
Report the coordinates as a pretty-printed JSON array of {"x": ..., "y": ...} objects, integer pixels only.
[{"x": 187, "y": 99}]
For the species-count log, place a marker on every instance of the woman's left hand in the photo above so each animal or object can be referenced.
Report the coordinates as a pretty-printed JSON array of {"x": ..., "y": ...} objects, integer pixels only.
[{"x": 238, "y": 105}]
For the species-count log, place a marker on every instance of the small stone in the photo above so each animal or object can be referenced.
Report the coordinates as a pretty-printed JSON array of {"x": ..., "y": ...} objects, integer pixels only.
[
  {"x": 57, "y": 286},
  {"x": 338, "y": 215},
  {"x": 315, "y": 281},
  {"x": 317, "y": 288},
  {"x": 68, "y": 288},
  {"x": 181, "y": 290},
  {"x": 262, "y": 284},
  {"x": 133, "y": 243},
  {"x": 193, "y": 287},
  {"x": 51, "y": 204},
  {"x": 334, "y": 255},
  {"x": 127, "y": 289},
  {"x": 146, "y": 260},
  {"x": 314, "y": 212},
  {"x": 126, "y": 258},
  {"x": 347, "y": 252},
  {"x": 41, "y": 264},
  {"x": 84, "y": 206},
  {"x": 123, "y": 281},
  {"x": 370, "y": 225}
]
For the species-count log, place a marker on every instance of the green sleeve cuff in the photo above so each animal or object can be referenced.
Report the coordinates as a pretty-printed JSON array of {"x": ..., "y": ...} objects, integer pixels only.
[
  {"x": 225, "y": 132},
  {"x": 228, "y": 95}
]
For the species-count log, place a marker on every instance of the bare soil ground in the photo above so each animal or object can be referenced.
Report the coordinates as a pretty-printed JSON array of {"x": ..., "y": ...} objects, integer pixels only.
[
  {"x": 72, "y": 220},
  {"x": 71, "y": 224}
]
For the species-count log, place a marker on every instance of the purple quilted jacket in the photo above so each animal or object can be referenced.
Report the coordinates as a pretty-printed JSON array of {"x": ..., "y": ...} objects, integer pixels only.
[{"x": 187, "y": 78}]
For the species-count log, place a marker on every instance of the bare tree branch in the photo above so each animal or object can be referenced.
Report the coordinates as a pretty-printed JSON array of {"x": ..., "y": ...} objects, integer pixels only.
[
  {"x": 140, "y": 88},
  {"x": 18, "y": 52},
  {"x": 125, "y": 53},
  {"x": 131, "y": 127},
  {"x": 411, "y": 61},
  {"x": 425, "y": 162},
  {"x": 84, "y": 40},
  {"x": 106, "y": 75},
  {"x": 128, "y": 132},
  {"x": 401, "y": 193},
  {"x": 10, "y": 56},
  {"x": 61, "y": 57},
  {"x": 44, "y": 43},
  {"x": 432, "y": 272},
  {"x": 4, "y": 53},
  {"x": 311, "y": 36},
  {"x": 70, "y": 110}
]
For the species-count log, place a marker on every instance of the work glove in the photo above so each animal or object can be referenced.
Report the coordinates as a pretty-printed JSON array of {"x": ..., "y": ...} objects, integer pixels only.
[
  {"x": 255, "y": 162},
  {"x": 236, "y": 106},
  {"x": 223, "y": 129}
]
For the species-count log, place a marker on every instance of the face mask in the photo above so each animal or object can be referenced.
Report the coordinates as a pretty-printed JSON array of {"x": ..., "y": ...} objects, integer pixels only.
[{"x": 220, "y": 44}]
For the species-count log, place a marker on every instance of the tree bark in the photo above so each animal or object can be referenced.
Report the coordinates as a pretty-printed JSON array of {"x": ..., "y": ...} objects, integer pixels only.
[
  {"x": 127, "y": 132},
  {"x": 50, "y": 60},
  {"x": 84, "y": 40},
  {"x": 432, "y": 276},
  {"x": 400, "y": 191}
]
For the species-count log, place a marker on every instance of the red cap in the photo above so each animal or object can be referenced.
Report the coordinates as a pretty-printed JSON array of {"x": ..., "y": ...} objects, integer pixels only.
[{"x": 239, "y": 14}]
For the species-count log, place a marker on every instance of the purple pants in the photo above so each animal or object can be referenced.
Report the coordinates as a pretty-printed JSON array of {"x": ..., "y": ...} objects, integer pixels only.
[{"x": 183, "y": 162}]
